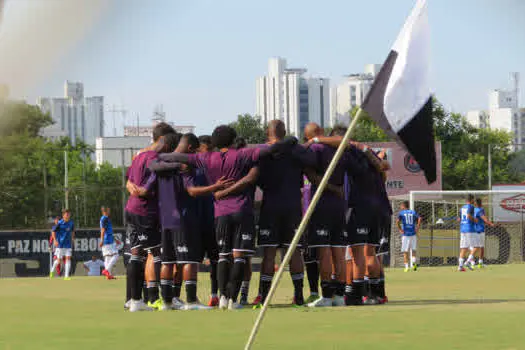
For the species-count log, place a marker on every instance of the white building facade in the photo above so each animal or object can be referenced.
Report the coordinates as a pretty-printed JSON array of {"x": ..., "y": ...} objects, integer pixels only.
[
  {"x": 119, "y": 151},
  {"x": 78, "y": 117},
  {"x": 351, "y": 93},
  {"x": 288, "y": 95}
]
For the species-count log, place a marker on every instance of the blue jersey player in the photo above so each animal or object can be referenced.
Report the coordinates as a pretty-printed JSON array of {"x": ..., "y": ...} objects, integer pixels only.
[
  {"x": 467, "y": 223},
  {"x": 107, "y": 243},
  {"x": 478, "y": 242},
  {"x": 63, "y": 238},
  {"x": 408, "y": 222}
]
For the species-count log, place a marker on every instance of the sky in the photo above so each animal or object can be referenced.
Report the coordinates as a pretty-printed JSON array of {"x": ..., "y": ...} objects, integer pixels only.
[{"x": 200, "y": 58}]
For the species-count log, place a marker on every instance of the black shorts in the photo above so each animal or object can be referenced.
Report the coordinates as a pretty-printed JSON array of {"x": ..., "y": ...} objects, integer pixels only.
[
  {"x": 363, "y": 227},
  {"x": 182, "y": 246},
  {"x": 142, "y": 231},
  {"x": 277, "y": 229},
  {"x": 385, "y": 231},
  {"x": 210, "y": 246},
  {"x": 326, "y": 229},
  {"x": 310, "y": 255},
  {"x": 235, "y": 232}
]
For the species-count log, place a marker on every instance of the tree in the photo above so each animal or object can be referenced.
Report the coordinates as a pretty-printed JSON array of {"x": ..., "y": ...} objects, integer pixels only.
[
  {"x": 250, "y": 128},
  {"x": 20, "y": 118}
]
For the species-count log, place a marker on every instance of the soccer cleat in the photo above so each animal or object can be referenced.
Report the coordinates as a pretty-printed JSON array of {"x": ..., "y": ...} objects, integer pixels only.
[
  {"x": 370, "y": 301},
  {"x": 382, "y": 301},
  {"x": 106, "y": 273},
  {"x": 67, "y": 278},
  {"x": 214, "y": 301},
  {"x": 321, "y": 302},
  {"x": 414, "y": 267},
  {"x": 223, "y": 303},
  {"x": 461, "y": 269},
  {"x": 338, "y": 300},
  {"x": 196, "y": 306},
  {"x": 232, "y": 305},
  {"x": 406, "y": 269},
  {"x": 165, "y": 306},
  {"x": 156, "y": 305},
  {"x": 51, "y": 274},
  {"x": 469, "y": 266},
  {"x": 127, "y": 304},
  {"x": 257, "y": 300},
  {"x": 312, "y": 298},
  {"x": 258, "y": 306},
  {"x": 177, "y": 304},
  {"x": 298, "y": 302},
  {"x": 480, "y": 266},
  {"x": 138, "y": 305}
]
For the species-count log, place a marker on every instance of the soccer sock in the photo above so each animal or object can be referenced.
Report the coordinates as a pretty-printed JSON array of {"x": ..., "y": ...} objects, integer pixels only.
[
  {"x": 157, "y": 265},
  {"x": 223, "y": 276},
  {"x": 213, "y": 278},
  {"x": 339, "y": 288},
  {"x": 237, "y": 277},
  {"x": 461, "y": 262},
  {"x": 144, "y": 285},
  {"x": 327, "y": 289},
  {"x": 470, "y": 258},
  {"x": 358, "y": 292},
  {"x": 413, "y": 260},
  {"x": 55, "y": 264},
  {"x": 153, "y": 291},
  {"x": 135, "y": 267},
  {"x": 367, "y": 286},
  {"x": 68, "y": 268},
  {"x": 191, "y": 291},
  {"x": 297, "y": 280},
  {"x": 375, "y": 291},
  {"x": 382, "y": 292},
  {"x": 264, "y": 286},
  {"x": 312, "y": 272},
  {"x": 166, "y": 290},
  {"x": 106, "y": 262},
  {"x": 480, "y": 261},
  {"x": 176, "y": 289},
  {"x": 406, "y": 266},
  {"x": 112, "y": 262},
  {"x": 245, "y": 289}
]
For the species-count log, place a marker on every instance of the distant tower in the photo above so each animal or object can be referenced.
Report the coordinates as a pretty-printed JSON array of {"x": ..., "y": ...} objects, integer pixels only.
[
  {"x": 159, "y": 116},
  {"x": 516, "y": 79}
]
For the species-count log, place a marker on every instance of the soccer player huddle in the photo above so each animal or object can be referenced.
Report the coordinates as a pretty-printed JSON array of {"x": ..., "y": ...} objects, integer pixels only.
[{"x": 192, "y": 198}]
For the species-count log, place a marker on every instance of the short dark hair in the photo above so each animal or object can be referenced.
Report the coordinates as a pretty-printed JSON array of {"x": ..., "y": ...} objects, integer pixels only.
[
  {"x": 192, "y": 139},
  {"x": 470, "y": 198},
  {"x": 205, "y": 139},
  {"x": 223, "y": 136},
  {"x": 171, "y": 141},
  {"x": 162, "y": 129},
  {"x": 406, "y": 204},
  {"x": 66, "y": 211},
  {"x": 240, "y": 142},
  {"x": 479, "y": 202},
  {"x": 338, "y": 130}
]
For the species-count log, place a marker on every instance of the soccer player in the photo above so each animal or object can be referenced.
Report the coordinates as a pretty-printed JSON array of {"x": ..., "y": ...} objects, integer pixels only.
[
  {"x": 466, "y": 229},
  {"x": 107, "y": 243},
  {"x": 93, "y": 266},
  {"x": 408, "y": 222},
  {"x": 479, "y": 228},
  {"x": 311, "y": 260},
  {"x": 52, "y": 249},
  {"x": 235, "y": 225},
  {"x": 63, "y": 239}
]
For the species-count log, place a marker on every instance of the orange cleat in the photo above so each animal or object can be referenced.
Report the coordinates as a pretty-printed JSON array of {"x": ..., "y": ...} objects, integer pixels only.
[
  {"x": 214, "y": 301},
  {"x": 257, "y": 300}
]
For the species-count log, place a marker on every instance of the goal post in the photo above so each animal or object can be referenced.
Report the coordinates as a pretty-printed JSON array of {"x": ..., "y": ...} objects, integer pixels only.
[{"x": 438, "y": 243}]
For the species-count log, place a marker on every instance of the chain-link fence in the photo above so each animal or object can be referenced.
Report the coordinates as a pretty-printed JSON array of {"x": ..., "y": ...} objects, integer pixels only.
[{"x": 439, "y": 235}]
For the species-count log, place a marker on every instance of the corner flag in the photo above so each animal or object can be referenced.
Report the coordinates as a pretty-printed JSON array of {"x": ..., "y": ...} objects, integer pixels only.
[{"x": 400, "y": 100}]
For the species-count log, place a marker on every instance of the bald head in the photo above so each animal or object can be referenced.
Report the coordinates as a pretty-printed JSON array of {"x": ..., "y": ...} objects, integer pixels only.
[
  {"x": 312, "y": 130},
  {"x": 276, "y": 129}
]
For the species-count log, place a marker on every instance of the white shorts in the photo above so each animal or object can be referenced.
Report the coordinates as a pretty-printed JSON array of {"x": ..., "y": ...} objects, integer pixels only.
[
  {"x": 481, "y": 240},
  {"x": 63, "y": 252},
  {"x": 109, "y": 249},
  {"x": 466, "y": 240},
  {"x": 477, "y": 240},
  {"x": 408, "y": 243}
]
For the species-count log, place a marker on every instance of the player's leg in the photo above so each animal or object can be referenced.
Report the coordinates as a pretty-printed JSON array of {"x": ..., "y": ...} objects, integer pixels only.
[
  {"x": 177, "y": 286},
  {"x": 297, "y": 275},
  {"x": 190, "y": 284},
  {"x": 338, "y": 242},
  {"x": 56, "y": 262},
  {"x": 311, "y": 262},
  {"x": 153, "y": 265},
  {"x": 245, "y": 285},
  {"x": 288, "y": 224},
  {"x": 405, "y": 249},
  {"x": 268, "y": 239},
  {"x": 464, "y": 246},
  {"x": 212, "y": 252},
  {"x": 349, "y": 273},
  {"x": 267, "y": 271},
  {"x": 168, "y": 258},
  {"x": 481, "y": 249},
  {"x": 224, "y": 234},
  {"x": 373, "y": 271},
  {"x": 358, "y": 287},
  {"x": 112, "y": 262}
]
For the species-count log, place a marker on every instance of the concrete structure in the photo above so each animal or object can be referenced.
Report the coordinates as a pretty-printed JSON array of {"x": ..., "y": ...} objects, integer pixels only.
[
  {"x": 119, "y": 151},
  {"x": 78, "y": 117},
  {"x": 351, "y": 93},
  {"x": 148, "y": 130},
  {"x": 503, "y": 114},
  {"x": 287, "y": 94}
]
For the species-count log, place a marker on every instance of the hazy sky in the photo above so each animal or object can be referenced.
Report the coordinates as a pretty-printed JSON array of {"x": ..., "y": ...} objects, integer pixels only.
[{"x": 200, "y": 58}]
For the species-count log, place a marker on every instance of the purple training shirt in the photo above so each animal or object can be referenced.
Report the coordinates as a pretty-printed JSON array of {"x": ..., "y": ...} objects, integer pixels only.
[{"x": 139, "y": 174}]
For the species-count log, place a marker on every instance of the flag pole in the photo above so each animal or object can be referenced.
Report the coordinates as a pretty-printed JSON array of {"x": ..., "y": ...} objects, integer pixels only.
[{"x": 302, "y": 228}]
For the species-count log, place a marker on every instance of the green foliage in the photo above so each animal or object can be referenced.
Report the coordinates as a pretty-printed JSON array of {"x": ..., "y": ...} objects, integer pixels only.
[
  {"x": 249, "y": 128},
  {"x": 367, "y": 130}
]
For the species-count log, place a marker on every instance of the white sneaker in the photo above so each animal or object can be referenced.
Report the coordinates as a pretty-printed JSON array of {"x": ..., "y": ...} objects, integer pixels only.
[
  {"x": 177, "y": 304},
  {"x": 232, "y": 305},
  {"x": 127, "y": 304},
  {"x": 196, "y": 306},
  {"x": 165, "y": 306},
  {"x": 321, "y": 302},
  {"x": 338, "y": 301},
  {"x": 138, "y": 305},
  {"x": 223, "y": 303}
]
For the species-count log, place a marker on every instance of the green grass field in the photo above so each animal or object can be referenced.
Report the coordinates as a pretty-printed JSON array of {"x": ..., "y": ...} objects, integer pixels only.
[{"x": 434, "y": 308}]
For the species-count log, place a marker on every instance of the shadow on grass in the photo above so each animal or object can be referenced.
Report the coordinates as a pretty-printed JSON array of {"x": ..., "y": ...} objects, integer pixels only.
[{"x": 452, "y": 301}]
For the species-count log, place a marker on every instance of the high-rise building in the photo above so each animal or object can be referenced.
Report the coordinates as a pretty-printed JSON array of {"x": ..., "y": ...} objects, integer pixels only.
[
  {"x": 503, "y": 114},
  {"x": 78, "y": 117},
  {"x": 351, "y": 93},
  {"x": 287, "y": 94}
]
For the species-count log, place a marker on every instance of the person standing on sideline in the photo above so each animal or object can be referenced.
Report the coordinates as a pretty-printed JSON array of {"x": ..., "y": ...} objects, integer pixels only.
[
  {"x": 107, "y": 243},
  {"x": 408, "y": 222},
  {"x": 63, "y": 238},
  {"x": 93, "y": 266}
]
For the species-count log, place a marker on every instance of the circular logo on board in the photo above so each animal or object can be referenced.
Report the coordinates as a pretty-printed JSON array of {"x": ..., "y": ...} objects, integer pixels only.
[{"x": 411, "y": 164}]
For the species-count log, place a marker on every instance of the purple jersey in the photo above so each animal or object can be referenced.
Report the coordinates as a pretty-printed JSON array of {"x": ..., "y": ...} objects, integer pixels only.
[
  {"x": 281, "y": 178},
  {"x": 169, "y": 188},
  {"x": 139, "y": 174},
  {"x": 232, "y": 164}
]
